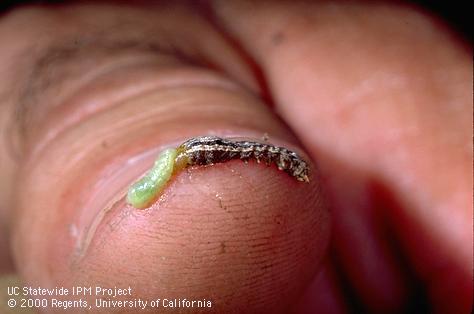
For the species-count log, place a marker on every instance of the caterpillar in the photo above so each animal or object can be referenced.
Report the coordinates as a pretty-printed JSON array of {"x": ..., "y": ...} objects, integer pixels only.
[{"x": 209, "y": 150}]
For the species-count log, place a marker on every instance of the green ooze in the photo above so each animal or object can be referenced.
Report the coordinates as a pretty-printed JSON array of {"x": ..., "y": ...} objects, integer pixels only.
[{"x": 143, "y": 192}]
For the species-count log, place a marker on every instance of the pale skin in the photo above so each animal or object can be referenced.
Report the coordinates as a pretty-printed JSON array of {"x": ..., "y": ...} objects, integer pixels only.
[{"x": 379, "y": 95}]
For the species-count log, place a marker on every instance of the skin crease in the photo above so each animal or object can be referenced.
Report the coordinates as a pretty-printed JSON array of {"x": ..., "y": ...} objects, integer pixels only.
[{"x": 384, "y": 107}]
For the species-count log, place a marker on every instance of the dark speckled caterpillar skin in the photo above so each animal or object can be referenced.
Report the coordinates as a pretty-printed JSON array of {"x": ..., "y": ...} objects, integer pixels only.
[{"x": 208, "y": 150}]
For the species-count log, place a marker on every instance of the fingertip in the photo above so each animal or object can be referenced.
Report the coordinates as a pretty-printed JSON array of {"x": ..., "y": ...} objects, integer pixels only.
[{"x": 241, "y": 235}]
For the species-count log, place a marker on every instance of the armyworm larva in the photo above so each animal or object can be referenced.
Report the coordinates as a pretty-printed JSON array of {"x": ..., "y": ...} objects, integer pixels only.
[{"x": 208, "y": 150}]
